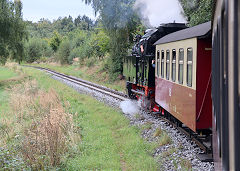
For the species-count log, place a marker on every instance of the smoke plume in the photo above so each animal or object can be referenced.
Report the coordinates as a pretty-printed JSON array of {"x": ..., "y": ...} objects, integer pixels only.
[{"x": 156, "y": 12}]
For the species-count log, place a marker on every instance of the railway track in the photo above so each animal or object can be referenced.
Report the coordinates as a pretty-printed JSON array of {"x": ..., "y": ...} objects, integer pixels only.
[
  {"x": 122, "y": 97},
  {"x": 104, "y": 90},
  {"x": 202, "y": 141}
]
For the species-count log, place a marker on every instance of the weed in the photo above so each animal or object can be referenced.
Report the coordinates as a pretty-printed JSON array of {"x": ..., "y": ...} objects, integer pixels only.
[
  {"x": 180, "y": 146},
  {"x": 139, "y": 117},
  {"x": 185, "y": 164},
  {"x": 48, "y": 131},
  {"x": 158, "y": 132},
  {"x": 164, "y": 139},
  {"x": 147, "y": 126},
  {"x": 10, "y": 161},
  {"x": 5, "y": 127},
  {"x": 169, "y": 152},
  {"x": 175, "y": 164},
  {"x": 90, "y": 62},
  {"x": 47, "y": 138},
  {"x": 165, "y": 154}
]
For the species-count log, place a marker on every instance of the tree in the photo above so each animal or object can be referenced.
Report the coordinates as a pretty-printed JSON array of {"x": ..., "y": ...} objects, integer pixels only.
[
  {"x": 77, "y": 20},
  {"x": 12, "y": 31},
  {"x": 119, "y": 21},
  {"x": 44, "y": 28},
  {"x": 64, "y": 52},
  {"x": 197, "y": 11},
  {"x": 84, "y": 23},
  {"x": 19, "y": 33},
  {"x": 55, "y": 41},
  {"x": 36, "y": 48}
]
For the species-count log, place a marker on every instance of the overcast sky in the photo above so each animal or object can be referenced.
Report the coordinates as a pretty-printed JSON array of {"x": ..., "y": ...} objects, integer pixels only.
[{"x": 34, "y": 10}]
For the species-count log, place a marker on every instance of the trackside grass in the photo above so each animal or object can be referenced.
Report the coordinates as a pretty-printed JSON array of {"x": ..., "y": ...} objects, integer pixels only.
[
  {"x": 107, "y": 141},
  {"x": 5, "y": 75},
  {"x": 92, "y": 73}
]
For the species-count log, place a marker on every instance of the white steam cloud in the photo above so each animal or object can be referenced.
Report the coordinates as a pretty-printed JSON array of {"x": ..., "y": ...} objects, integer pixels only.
[
  {"x": 130, "y": 107},
  {"x": 156, "y": 12}
]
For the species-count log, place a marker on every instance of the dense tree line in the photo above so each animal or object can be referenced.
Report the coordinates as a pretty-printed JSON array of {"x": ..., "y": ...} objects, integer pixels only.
[
  {"x": 197, "y": 11},
  {"x": 12, "y": 31},
  {"x": 45, "y": 28},
  {"x": 120, "y": 21},
  {"x": 66, "y": 39}
]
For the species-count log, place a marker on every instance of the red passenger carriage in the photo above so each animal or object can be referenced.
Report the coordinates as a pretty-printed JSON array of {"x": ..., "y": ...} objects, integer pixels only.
[{"x": 183, "y": 76}]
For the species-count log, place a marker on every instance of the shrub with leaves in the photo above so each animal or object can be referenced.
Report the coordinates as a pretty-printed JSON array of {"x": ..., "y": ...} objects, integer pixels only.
[
  {"x": 55, "y": 41},
  {"x": 36, "y": 48},
  {"x": 64, "y": 51}
]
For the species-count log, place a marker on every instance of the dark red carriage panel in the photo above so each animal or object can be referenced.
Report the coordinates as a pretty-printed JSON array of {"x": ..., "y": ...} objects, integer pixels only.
[
  {"x": 178, "y": 100},
  {"x": 203, "y": 85}
]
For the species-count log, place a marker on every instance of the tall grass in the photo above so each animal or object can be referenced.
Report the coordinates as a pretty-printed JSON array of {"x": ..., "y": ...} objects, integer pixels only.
[{"x": 46, "y": 130}]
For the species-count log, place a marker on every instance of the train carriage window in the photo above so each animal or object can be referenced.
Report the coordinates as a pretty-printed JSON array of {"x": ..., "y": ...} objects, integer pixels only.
[
  {"x": 180, "y": 66},
  {"x": 173, "y": 65},
  {"x": 189, "y": 66},
  {"x": 158, "y": 62},
  {"x": 167, "y": 64},
  {"x": 162, "y": 64}
]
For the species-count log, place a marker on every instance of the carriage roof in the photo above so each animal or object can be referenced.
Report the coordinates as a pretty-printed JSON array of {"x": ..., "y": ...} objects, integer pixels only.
[{"x": 201, "y": 30}]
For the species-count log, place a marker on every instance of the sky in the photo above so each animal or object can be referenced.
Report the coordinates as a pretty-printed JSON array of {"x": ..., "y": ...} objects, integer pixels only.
[{"x": 34, "y": 10}]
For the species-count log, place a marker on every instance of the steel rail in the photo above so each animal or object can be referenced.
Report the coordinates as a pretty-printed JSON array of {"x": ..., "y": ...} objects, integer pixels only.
[
  {"x": 104, "y": 90},
  {"x": 191, "y": 136}
]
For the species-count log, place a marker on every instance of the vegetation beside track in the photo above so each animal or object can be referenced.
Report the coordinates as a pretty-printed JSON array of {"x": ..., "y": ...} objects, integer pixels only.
[
  {"x": 94, "y": 73},
  {"x": 97, "y": 137}
]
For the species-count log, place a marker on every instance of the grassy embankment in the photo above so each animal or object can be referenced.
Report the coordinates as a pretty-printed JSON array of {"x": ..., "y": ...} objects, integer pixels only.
[
  {"x": 48, "y": 125},
  {"x": 94, "y": 73},
  {"x": 7, "y": 78},
  {"x": 4, "y": 75}
]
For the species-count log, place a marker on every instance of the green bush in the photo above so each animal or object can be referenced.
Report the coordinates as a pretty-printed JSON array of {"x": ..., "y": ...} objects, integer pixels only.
[
  {"x": 90, "y": 62},
  {"x": 106, "y": 63},
  {"x": 36, "y": 48},
  {"x": 46, "y": 49},
  {"x": 55, "y": 41},
  {"x": 64, "y": 51}
]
